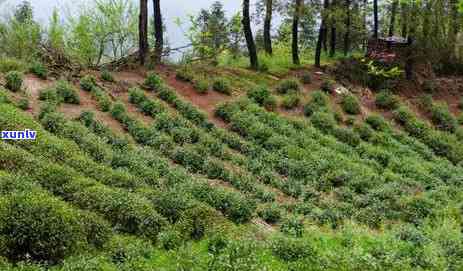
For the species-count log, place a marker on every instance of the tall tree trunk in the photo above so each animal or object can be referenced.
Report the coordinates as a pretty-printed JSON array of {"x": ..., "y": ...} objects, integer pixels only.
[
  {"x": 321, "y": 34},
  {"x": 143, "y": 32},
  {"x": 454, "y": 27},
  {"x": 333, "y": 30},
  {"x": 295, "y": 40},
  {"x": 348, "y": 25},
  {"x": 404, "y": 21},
  {"x": 375, "y": 16},
  {"x": 268, "y": 26},
  {"x": 393, "y": 15},
  {"x": 249, "y": 37},
  {"x": 158, "y": 32}
]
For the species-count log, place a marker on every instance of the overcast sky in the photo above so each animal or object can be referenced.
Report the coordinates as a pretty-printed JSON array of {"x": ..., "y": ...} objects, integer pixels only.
[{"x": 172, "y": 9}]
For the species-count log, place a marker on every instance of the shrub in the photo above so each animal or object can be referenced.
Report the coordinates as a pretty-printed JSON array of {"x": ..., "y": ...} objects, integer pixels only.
[
  {"x": 364, "y": 131},
  {"x": 350, "y": 104},
  {"x": 259, "y": 94},
  {"x": 38, "y": 227},
  {"x": 53, "y": 122},
  {"x": 67, "y": 92},
  {"x": 293, "y": 226},
  {"x": 201, "y": 86},
  {"x": 24, "y": 104},
  {"x": 323, "y": 121},
  {"x": 107, "y": 76},
  {"x": 291, "y": 249},
  {"x": 288, "y": 85},
  {"x": 386, "y": 100},
  {"x": 14, "y": 81},
  {"x": 443, "y": 118},
  {"x": 426, "y": 102},
  {"x": 185, "y": 75},
  {"x": 3, "y": 97},
  {"x": 153, "y": 82},
  {"x": 306, "y": 78},
  {"x": 429, "y": 86},
  {"x": 327, "y": 86},
  {"x": 270, "y": 214},
  {"x": 270, "y": 103},
  {"x": 10, "y": 64},
  {"x": 49, "y": 95},
  {"x": 39, "y": 69},
  {"x": 88, "y": 82},
  {"x": 377, "y": 122},
  {"x": 222, "y": 85},
  {"x": 318, "y": 102},
  {"x": 460, "y": 119},
  {"x": 290, "y": 101},
  {"x": 170, "y": 239},
  {"x": 347, "y": 136}
]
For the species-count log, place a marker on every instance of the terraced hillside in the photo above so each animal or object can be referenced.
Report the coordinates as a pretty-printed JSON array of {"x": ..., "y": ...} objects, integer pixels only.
[{"x": 140, "y": 173}]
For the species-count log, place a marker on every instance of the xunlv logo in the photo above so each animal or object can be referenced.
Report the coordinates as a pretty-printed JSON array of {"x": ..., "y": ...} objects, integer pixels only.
[{"x": 19, "y": 135}]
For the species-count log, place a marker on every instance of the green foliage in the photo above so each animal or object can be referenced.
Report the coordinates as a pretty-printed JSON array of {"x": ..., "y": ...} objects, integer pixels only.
[
  {"x": 386, "y": 100},
  {"x": 306, "y": 78},
  {"x": 291, "y": 101},
  {"x": 67, "y": 92},
  {"x": 201, "y": 86},
  {"x": 270, "y": 214},
  {"x": 327, "y": 86},
  {"x": 29, "y": 219},
  {"x": 323, "y": 121},
  {"x": 262, "y": 96},
  {"x": 24, "y": 104},
  {"x": 460, "y": 119},
  {"x": 8, "y": 64},
  {"x": 429, "y": 86},
  {"x": 350, "y": 104},
  {"x": 443, "y": 118},
  {"x": 288, "y": 85},
  {"x": 49, "y": 95},
  {"x": 88, "y": 82},
  {"x": 291, "y": 249},
  {"x": 170, "y": 239},
  {"x": 222, "y": 85},
  {"x": 14, "y": 81},
  {"x": 107, "y": 76},
  {"x": 39, "y": 69},
  {"x": 185, "y": 75},
  {"x": 292, "y": 226},
  {"x": 377, "y": 122},
  {"x": 153, "y": 82}
]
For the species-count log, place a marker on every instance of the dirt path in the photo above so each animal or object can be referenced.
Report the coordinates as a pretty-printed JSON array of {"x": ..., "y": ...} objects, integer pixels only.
[{"x": 32, "y": 87}]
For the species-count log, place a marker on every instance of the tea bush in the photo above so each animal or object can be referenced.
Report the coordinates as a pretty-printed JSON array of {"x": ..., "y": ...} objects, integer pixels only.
[
  {"x": 201, "y": 86},
  {"x": 327, "y": 86},
  {"x": 24, "y": 104},
  {"x": 386, "y": 100},
  {"x": 28, "y": 221},
  {"x": 107, "y": 76},
  {"x": 290, "y": 101},
  {"x": 306, "y": 78},
  {"x": 350, "y": 104},
  {"x": 88, "y": 82},
  {"x": 288, "y": 85},
  {"x": 443, "y": 118},
  {"x": 14, "y": 81},
  {"x": 291, "y": 249},
  {"x": 222, "y": 85},
  {"x": 39, "y": 69},
  {"x": 270, "y": 214},
  {"x": 185, "y": 75},
  {"x": 153, "y": 82},
  {"x": 67, "y": 92}
]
